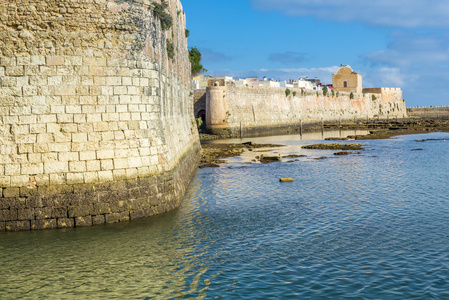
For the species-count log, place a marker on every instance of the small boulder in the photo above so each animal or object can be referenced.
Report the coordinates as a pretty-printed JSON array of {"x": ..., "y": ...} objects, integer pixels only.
[
  {"x": 345, "y": 153},
  {"x": 208, "y": 166},
  {"x": 286, "y": 179},
  {"x": 293, "y": 156},
  {"x": 269, "y": 159}
]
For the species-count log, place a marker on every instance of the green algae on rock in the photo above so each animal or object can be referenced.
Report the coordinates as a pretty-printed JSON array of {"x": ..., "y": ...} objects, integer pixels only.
[{"x": 335, "y": 146}]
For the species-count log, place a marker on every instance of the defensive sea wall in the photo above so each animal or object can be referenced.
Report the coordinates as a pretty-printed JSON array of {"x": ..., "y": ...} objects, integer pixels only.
[
  {"x": 96, "y": 116},
  {"x": 428, "y": 111},
  {"x": 261, "y": 110}
]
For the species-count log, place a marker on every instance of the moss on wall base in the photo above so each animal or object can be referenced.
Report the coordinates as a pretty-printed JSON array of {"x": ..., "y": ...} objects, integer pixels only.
[{"x": 81, "y": 205}]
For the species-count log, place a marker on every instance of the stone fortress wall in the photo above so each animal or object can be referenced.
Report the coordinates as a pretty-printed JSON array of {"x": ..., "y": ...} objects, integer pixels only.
[
  {"x": 96, "y": 117},
  {"x": 258, "y": 110},
  {"x": 428, "y": 111}
]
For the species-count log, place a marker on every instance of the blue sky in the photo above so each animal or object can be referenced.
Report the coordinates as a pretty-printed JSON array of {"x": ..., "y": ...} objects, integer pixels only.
[{"x": 399, "y": 43}]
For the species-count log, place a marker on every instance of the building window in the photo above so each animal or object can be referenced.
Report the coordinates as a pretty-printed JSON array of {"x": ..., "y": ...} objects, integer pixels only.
[{"x": 345, "y": 84}]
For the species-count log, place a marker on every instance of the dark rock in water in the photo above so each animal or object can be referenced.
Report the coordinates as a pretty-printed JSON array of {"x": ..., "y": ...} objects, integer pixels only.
[
  {"x": 426, "y": 140},
  {"x": 248, "y": 143},
  {"x": 214, "y": 151},
  {"x": 335, "y": 146},
  {"x": 336, "y": 139},
  {"x": 293, "y": 156},
  {"x": 269, "y": 159},
  {"x": 320, "y": 158},
  {"x": 354, "y": 137},
  {"x": 213, "y": 161},
  {"x": 417, "y": 149},
  {"x": 208, "y": 166},
  {"x": 345, "y": 153}
]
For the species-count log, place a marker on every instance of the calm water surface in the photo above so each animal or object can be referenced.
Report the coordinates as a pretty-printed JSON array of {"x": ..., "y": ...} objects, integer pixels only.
[{"x": 367, "y": 226}]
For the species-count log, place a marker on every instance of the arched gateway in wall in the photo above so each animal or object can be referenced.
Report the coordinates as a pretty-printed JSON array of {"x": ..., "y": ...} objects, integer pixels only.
[{"x": 96, "y": 122}]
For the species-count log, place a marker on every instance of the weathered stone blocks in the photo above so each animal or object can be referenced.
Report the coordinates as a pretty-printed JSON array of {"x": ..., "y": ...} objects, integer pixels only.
[
  {"x": 84, "y": 204},
  {"x": 117, "y": 217},
  {"x": 90, "y": 130},
  {"x": 17, "y": 225},
  {"x": 43, "y": 224},
  {"x": 65, "y": 222},
  {"x": 43, "y": 213},
  {"x": 99, "y": 219},
  {"x": 83, "y": 221},
  {"x": 25, "y": 214},
  {"x": 11, "y": 192}
]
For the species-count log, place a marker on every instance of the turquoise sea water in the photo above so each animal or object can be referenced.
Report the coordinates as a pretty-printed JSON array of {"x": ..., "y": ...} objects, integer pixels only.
[{"x": 369, "y": 226}]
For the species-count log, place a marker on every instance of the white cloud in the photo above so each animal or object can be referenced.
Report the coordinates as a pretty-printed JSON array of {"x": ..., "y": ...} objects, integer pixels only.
[
  {"x": 413, "y": 49},
  {"x": 416, "y": 62},
  {"x": 394, "y": 13},
  {"x": 385, "y": 77}
]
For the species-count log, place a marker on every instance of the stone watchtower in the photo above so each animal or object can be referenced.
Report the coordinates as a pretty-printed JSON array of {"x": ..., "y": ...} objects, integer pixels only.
[
  {"x": 96, "y": 122},
  {"x": 346, "y": 80}
]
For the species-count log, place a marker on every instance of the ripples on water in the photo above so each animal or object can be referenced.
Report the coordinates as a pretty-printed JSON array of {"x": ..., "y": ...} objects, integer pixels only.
[{"x": 369, "y": 226}]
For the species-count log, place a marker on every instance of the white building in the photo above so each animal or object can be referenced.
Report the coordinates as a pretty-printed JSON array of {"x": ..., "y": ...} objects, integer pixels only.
[
  {"x": 253, "y": 81},
  {"x": 302, "y": 83},
  {"x": 269, "y": 82},
  {"x": 286, "y": 84}
]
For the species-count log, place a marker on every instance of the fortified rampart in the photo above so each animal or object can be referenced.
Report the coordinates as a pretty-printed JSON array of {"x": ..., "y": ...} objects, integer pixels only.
[
  {"x": 258, "y": 110},
  {"x": 428, "y": 111},
  {"x": 96, "y": 120}
]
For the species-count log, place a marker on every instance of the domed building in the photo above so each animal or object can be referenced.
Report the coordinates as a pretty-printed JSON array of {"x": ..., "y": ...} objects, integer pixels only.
[{"x": 346, "y": 80}]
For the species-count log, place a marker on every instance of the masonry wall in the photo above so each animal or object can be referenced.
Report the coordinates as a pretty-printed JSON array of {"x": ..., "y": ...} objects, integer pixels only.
[
  {"x": 199, "y": 100},
  {"x": 352, "y": 79},
  {"x": 96, "y": 118},
  {"x": 428, "y": 111},
  {"x": 234, "y": 108}
]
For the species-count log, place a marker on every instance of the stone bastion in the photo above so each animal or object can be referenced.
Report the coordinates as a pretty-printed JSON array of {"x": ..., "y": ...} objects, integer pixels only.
[{"x": 96, "y": 117}]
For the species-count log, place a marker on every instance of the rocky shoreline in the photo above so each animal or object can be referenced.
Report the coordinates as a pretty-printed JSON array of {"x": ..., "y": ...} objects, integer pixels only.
[
  {"x": 215, "y": 154},
  {"x": 386, "y": 129}
]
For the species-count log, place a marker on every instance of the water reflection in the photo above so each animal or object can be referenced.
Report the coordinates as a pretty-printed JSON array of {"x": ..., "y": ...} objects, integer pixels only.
[
  {"x": 296, "y": 139},
  {"x": 370, "y": 226},
  {"x": 157, "y": 257}
]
